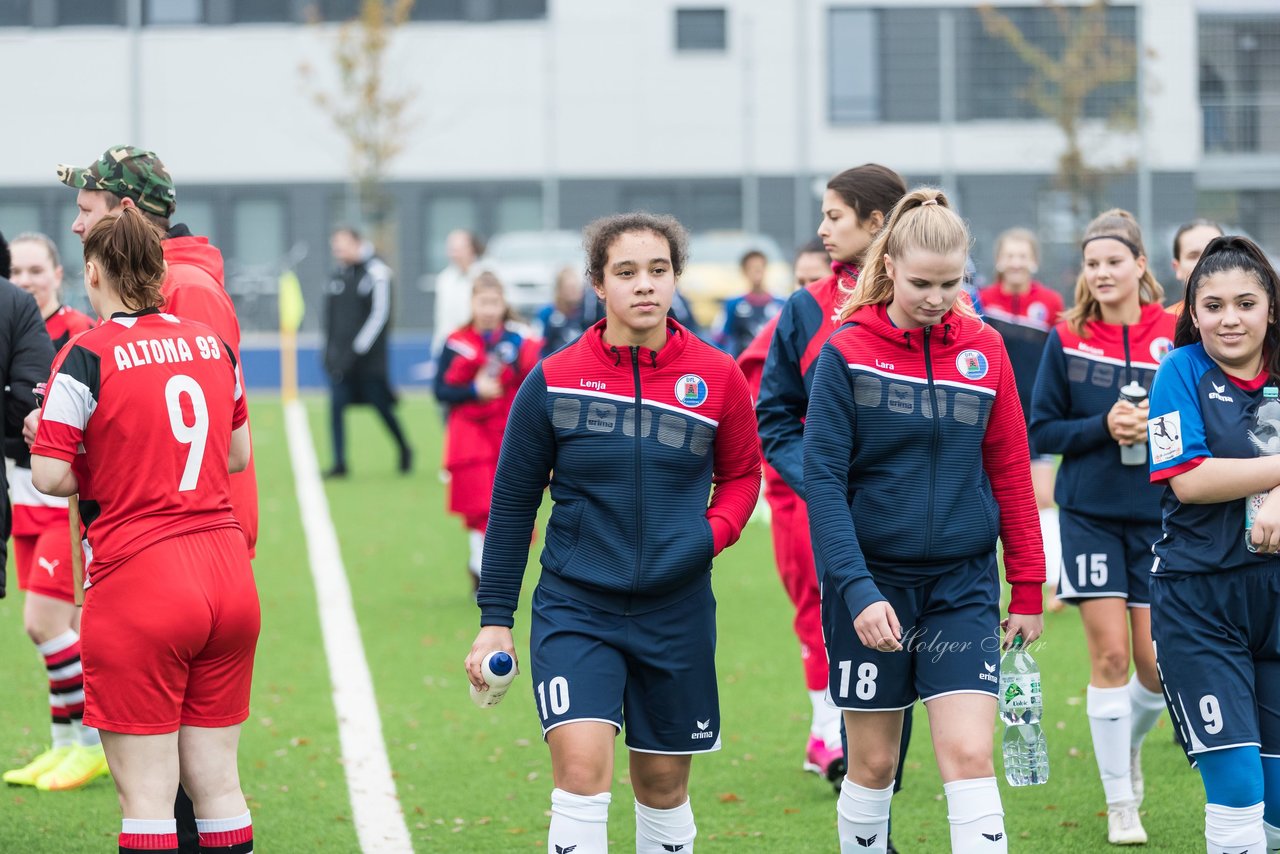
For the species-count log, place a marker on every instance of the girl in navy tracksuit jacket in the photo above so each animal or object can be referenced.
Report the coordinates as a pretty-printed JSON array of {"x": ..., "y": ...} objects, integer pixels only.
[
  {"x": 632, "y": 425},
  {"x": 1109, "y": 514},
  {"x": 915, "y": 461}
]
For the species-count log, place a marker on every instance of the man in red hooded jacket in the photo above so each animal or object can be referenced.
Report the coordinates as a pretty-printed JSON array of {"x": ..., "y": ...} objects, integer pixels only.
[{"x": 194, "y": 289}]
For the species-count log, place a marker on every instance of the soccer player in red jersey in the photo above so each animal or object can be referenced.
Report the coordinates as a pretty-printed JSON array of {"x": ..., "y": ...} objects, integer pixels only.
[
  {"x": 171, "y": 618},
  {"x": 42, "y": 555}
]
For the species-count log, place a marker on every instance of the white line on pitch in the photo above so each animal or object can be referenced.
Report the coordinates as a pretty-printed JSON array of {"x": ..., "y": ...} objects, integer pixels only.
[{"x": 379, "y": 818}]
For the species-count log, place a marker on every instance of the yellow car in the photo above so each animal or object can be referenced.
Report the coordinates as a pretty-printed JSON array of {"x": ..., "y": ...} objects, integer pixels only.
[{"x": 713, "y": 275}]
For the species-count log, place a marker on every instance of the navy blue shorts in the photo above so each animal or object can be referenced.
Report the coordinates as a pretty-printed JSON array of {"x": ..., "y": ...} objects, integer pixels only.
[
  {"x": 949, "y": 639},
  {"x": 1106, "y": 558},
  {"x": 1217, "y": 643},
  {"x": 656, "y": 671}
]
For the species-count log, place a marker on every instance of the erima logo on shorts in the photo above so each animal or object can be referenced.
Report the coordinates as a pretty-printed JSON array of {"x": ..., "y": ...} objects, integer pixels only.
[
  {"x": 989, "y": 676},
  {"x": 691, "y": 390},
  {"x": 702, "y": 729},
  {"x": 972, "y": 364}
]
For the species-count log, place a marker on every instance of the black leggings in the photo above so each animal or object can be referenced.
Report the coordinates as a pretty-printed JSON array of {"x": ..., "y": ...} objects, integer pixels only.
[{"x": 344, "y": 393}]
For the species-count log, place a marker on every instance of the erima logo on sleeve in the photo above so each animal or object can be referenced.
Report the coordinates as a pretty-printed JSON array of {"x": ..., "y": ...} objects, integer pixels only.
[{"x": 1165, "y": 435}]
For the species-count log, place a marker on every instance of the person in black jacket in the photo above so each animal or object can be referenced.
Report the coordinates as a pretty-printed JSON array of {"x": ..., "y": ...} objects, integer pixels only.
[
  {"x": 26, "y": 353},
  {"x": 357, "y": 322}
]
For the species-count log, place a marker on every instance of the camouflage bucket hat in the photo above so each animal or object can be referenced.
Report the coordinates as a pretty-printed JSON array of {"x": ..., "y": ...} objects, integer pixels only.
[{"x": 127, "y": 170}]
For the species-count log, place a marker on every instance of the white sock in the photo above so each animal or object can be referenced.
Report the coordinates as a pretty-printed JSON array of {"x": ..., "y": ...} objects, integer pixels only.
[
  {"x": 1051, "y": 535},
  {"x": 826, "y": 720},
  {"x": 660, "y": 831},
  {"x": 1273, "y": 837},
  {"x": 862, "y": 817},
  {"x": 1233, "y": 830},
  {"x": 579, "y": 823},
  {"x": 976, "y": 816},
  {"x": 1109, "y": 714},
  {"x": 86, "y": 736},
  {"x": 476, "y": 540},
  {"x": 63, "y": 735},
  {"x": 1146, "y": 707}
]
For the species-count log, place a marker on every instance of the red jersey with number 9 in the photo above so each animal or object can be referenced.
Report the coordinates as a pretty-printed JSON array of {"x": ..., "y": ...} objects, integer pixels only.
[{"x": 144, "y": 406}]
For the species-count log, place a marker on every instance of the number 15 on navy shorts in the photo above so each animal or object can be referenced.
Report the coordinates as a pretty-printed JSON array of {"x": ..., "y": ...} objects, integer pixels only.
[{"x": 654, "y": 670}]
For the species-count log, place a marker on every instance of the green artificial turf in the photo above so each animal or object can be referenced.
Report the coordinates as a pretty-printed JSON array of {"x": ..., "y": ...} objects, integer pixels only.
[
  {"x": 289, "y": 756},
  {"x": 475, "y": 780}
]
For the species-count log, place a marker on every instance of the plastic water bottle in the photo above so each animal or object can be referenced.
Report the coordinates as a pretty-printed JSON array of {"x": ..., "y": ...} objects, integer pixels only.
[
  {"x": 1026, "y": 759},
  {"x": 1135, "y": 454},
  {"x": 498, "y": 669},
  {"x": 1265, "y": 438}
]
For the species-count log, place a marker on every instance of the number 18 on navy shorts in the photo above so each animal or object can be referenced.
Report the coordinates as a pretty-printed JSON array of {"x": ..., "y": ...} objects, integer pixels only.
[
  {"x": 656, "y": 671},
  {"x": 949, "y": 645}
]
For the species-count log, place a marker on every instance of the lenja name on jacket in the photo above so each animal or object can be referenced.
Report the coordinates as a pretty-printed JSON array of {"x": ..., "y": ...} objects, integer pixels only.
[
  {"x": 161, "y": 351},
  {"x": 595, "y": 385}
]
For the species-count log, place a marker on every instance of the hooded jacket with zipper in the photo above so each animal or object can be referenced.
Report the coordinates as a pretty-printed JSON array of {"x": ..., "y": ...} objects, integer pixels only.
[
  {"x": 1079, "y": 381},
  {"x": 803, "y": 326},
  {"x": 195, "y": 289},
  {"x": 915, "y": 458},
  {"x": 630, "y": 529}
]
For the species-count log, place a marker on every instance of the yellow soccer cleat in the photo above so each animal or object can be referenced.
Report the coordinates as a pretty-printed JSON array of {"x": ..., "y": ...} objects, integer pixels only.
[
  {"x": 42, "y": 764},
  {"x": 81, "y": 766}
]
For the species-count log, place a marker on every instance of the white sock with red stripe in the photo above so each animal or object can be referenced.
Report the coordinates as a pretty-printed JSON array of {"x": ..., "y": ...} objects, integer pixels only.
[
  {"x": 140, "y": 836},
  {"x": 66, "y": 685},
  {"x": 226, "y": 835}
]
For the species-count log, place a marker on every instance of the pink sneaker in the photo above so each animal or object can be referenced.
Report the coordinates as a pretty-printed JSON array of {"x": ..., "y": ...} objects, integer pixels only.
[{"x": 823, "y": 760}]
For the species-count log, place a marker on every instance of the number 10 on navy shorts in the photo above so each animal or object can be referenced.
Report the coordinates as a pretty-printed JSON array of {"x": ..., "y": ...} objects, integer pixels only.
[{"x": 654, "y": 670}]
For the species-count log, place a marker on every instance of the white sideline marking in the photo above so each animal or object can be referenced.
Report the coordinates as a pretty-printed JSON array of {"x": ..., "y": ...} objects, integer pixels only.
[{"x": 379, "y": 818}]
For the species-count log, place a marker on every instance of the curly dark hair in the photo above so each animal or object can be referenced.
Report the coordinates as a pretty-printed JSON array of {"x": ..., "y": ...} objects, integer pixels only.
[{"x": 600, "y": 235}]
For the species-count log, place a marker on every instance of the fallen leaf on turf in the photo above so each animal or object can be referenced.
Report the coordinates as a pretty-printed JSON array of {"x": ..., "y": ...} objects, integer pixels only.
[
  {"x": 1073, "y": 752},
  {"x": 1069, "y": 824},
  {"x": 1051, "y": 807},
  {"x": 1073, "y": 701},
  {"x": 790, "y": 811},
  {"x": 728, "y": 798}
]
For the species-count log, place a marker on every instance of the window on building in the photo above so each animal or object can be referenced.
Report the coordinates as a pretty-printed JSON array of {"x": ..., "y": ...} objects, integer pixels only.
[
  {"x": 701, "y": 29},
  {"x": 439, "y": 10},
  {"x": 716, "y": 208},
  {"x": 518, "y": 213},
  {"x": 17, "y": 217},
  {"x": 1240, "y": 83},
  {"x": 258, "y": 235},
  {"x": 75, "y": 13},
  {"x": 198, "y": 215},
  {"x": 15, "y": 13},
  {"x": 519, "y": 10},
  {"x": 174, "y": 12},
  {"x": 883, "y": 65},
  {"x": 442, "y": 215},
  {"x": 262, "y": 11},
  {"x": 854, "y": 68},
  {"x": 992, "y": 80},
  {"x": 333, "y": 10}
]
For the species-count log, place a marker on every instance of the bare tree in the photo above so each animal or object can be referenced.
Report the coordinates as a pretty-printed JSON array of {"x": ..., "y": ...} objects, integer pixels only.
[
  {"x": 1091, "y": 59},
  {"x": 367, "y": 109}
]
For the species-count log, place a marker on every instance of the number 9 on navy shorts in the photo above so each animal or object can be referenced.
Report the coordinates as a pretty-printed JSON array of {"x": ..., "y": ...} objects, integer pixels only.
[
  {"x": 1218, "y": 649},
  {"x": 654, "y": 670},
  {"x": 949, "y": 641},
  {"x": 1106, "y": 558}
]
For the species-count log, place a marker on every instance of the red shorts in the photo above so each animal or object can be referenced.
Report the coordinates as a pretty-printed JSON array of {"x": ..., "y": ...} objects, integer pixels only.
[
  {"x": 167, "y": 638},
  {"x": 44, "y": 563},
  {"x": 471, "y": 490}
]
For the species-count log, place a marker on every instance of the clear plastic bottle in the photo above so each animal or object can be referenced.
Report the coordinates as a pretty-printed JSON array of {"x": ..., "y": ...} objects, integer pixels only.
[
  {"x": 1264, "y": 435},
  {"x": 499, "y": 669},
  {"x": 1026, "y": 759}
]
